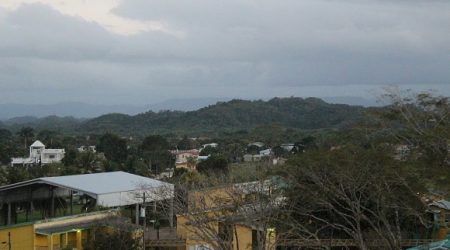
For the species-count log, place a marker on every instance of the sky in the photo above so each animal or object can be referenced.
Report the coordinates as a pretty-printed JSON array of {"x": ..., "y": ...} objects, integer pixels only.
[{"x": 146, "y": 51}]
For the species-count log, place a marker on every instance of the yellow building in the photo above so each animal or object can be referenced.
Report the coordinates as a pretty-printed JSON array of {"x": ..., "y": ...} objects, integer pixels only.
[
  {"x": 214, "y": 218},
  {"x": 221, "y": 235},
  {"x": 34, "y": 213},
  {"x": 69, "y": 232}
]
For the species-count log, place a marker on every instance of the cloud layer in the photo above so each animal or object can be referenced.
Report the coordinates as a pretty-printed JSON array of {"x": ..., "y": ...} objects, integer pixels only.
[{"x": 140, "y": 51}]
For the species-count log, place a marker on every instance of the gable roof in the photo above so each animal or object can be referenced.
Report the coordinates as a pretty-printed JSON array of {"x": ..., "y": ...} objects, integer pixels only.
[
  {"x": 37, "y": 144},
  {"x": 98, "y": 183},
  {"x": 441, "y": 204}
]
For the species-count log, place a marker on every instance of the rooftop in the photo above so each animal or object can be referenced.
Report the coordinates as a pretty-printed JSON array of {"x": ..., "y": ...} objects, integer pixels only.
[
  {"x": 98, "y": 183},
  {"x": 37, "y": 144},
  {"x": 441, "y": 204}
]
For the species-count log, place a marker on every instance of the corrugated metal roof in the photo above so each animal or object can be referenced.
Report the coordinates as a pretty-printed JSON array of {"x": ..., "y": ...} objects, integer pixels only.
[
  {"x": 103, "y": 183},
  {"x": 99, "y": 183},
  {"x": 441, "y": 204},
  {"x": 439, "y": 245}
]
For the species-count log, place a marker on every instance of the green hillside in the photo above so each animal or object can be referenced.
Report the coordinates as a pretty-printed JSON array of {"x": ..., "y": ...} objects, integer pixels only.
[{"x": 293, "y": 112}]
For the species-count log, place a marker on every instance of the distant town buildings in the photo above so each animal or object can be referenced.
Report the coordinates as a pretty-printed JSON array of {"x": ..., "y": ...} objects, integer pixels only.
[
  {"x": 212, "y": 145},
  {"x": 185, "y": 158},
  {"x": 40, "y": 155},
  {"x": 87, "y": 149}
]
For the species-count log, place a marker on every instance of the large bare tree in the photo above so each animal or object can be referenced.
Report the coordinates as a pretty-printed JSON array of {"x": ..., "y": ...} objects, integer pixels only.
[{"x": 354, "y": 194}]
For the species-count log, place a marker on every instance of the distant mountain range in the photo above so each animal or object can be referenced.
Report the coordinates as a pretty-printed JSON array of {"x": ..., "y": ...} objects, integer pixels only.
[
  {"x": 23, "y": 113},
  {"x": 84, "y": 110},
  {"x": 292, "y": 112}
]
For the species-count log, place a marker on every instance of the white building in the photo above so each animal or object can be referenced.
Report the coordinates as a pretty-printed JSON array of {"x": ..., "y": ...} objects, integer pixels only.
[
  {"x": 212, "y": 145},
  {"x": 288, "y": 146},
  {"x": 265, "y": 152},
  {"x": 82, "y": 149},
  {"x": 40, "y": 155}
]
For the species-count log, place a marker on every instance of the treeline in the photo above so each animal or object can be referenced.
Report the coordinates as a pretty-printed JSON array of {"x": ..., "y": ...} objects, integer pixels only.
[
  {"x": 310, "y": 113},
  {"x": 147, "y": 156},
  {"x": 293, "y": 112},
  {"x": 370, "y": 184}
]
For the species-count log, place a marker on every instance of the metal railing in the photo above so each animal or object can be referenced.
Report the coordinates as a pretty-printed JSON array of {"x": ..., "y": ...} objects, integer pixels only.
[{"x": 346, "y": 242}]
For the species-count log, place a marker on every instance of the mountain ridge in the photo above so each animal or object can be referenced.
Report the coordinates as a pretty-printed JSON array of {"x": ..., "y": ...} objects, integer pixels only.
[{"x": 293, "y": 112}]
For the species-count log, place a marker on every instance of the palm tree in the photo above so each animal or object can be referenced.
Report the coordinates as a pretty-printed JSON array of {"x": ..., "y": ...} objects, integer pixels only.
[{"x": 26, "y": 133}]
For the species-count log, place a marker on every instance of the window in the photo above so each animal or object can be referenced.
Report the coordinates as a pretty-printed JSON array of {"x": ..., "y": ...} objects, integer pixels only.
[{"x": 51, "y": 156}]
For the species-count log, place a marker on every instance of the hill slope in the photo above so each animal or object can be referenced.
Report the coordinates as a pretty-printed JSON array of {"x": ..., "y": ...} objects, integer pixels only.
[{"x": 294, "y": 112}]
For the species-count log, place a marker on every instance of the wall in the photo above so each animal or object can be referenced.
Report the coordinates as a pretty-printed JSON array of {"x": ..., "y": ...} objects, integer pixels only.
[
  {"x": 22, "y": 237},
  {"x": 244, "y": 238}
]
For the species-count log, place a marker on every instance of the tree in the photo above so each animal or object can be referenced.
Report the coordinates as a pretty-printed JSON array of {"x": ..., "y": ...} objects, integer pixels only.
[
  {"x": 114, "y": 147},
  {"x": 186, "y": 144},
  {"x": 86, "y": 161},
  {"x": 17, "y": 174},
  {"x": 47, "y": 136},
  {"x": 208, "y": 150},
  {"x": 420, "y": 122},
  {"x": 26, "y": 133},
  {"x": 212, "y": 210},
  {"x": 114, "y": 234},
  {"x": 278, "y": 151},
  {"x": 352, "y": 193},
  {"x": 157, "y": 161},
  {"x": 70, "y": 157},
  {"x": 154, "y": 143},
  {"x": 5, "y": 135},
  {"x": 215, "y": 163},
  {"x": 154, "y": 152}
]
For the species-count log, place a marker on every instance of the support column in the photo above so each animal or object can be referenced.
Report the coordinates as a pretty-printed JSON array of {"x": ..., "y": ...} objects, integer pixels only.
[
  {"x": 137, "y": 213},
  {"x": 171, "y": 213},
  {"x": 79, "y": 240},
  {"x": 52, "y": 209},
  {"x": 31, "y": 204},
  {"x": 66, "y": 240},
  {"x": 8, "y": 222},
  {"x": 50, "y": 242},
  {"x": 71, "y": 202}
]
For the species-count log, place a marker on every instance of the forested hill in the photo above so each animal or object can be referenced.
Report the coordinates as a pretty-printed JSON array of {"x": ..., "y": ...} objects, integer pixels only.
[{"x": 293, "y": 112}]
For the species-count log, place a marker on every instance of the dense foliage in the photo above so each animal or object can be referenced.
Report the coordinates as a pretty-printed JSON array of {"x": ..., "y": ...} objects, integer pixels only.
[{"x": 310, "y": 113}]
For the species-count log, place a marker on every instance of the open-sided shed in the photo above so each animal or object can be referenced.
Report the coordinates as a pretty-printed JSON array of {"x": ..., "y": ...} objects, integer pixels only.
[{"x": 110, "y": 189}]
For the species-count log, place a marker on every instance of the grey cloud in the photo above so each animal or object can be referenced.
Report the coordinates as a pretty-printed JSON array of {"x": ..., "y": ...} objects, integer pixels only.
[
  {"x": 38, "y": 31},
  {"x": 225, "y": 48}
]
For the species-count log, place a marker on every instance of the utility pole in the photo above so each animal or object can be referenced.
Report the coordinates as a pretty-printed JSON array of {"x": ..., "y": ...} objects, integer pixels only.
[
  {"x": 9, "y": 240},
  {"x": 143, "y": 214}
]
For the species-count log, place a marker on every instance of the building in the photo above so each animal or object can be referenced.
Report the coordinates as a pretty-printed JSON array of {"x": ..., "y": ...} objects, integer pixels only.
[
  {"x": 209, "y": 219},
  {"x": 212, "y": 145},
  {"x": 40, "y": 155},
  {"x": 441, "y": 215},
  {"x": 52, "y": 213},
  {"x": 265, "y": 152},
  {"x": 438, "y": 245},
  {"x": 185, "y": 158},
  {"x": 256, "y": 144},
  {"x": 82, "y": 149},
  {"x": 69, "y": 232},
  {"x": 251, "y": 158},
  {"x": 288, "y": 146}
]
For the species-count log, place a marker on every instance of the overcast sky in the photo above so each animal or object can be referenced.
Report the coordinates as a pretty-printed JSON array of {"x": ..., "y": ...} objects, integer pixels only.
[{"x": 145, "y": 51}]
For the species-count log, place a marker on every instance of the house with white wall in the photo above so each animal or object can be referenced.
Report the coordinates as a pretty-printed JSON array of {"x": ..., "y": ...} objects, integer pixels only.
[{"x": 40, "y": 155}]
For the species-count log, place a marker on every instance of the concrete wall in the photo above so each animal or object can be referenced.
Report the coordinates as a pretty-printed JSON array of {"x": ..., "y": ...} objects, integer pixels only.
[{"x": 190, "y": 234}]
